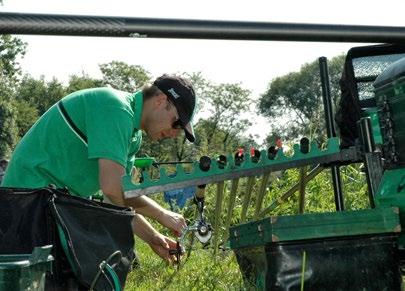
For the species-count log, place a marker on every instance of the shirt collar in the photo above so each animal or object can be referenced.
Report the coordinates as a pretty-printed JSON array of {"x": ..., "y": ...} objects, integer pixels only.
[{"x": 137, "y": 106}]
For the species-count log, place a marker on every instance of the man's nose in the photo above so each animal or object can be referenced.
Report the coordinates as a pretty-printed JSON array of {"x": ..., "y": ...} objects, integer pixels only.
[{"x": 174, "y": 132}]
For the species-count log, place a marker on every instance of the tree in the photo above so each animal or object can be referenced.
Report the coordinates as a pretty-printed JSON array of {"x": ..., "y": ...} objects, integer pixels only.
[
  {"x": 84, "y": 81},
  {"x": 228, "y": 103},
  {"x": 122, "y": 76},
  {"x": 8, "y": 128},
  {"x": 25, "y": 116},
  {"x": 201, "y": 86},
  {"x": 39, "y": 93},
  {"x": 293, "y": 103},
  {"x": 11, "y": 49}
]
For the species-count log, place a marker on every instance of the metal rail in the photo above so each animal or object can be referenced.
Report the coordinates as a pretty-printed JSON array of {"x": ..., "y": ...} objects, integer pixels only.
[
  {"x": 330, "y": 130},
  {"x": 81, "y": 25},
  {"x": 350, "y": 154}
]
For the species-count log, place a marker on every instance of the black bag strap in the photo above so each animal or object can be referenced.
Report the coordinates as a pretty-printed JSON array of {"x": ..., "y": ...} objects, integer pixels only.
[
  {"x": 70, "y": 122},
  {"x": 85, "y": 247}
]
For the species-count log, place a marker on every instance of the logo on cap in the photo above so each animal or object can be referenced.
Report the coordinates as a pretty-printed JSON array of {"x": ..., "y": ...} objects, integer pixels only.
[{"x": 174, "y": 93}]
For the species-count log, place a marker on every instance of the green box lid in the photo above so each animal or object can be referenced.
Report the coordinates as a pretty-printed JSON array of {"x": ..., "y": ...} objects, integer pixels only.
[{"x": 313, "y": 226}]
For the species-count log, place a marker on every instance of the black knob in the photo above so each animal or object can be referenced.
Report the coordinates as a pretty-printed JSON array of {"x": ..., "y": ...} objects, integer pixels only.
[
  {"x": 256, "y": 156},
  {"x": 205, "y": 163},
  {"x": 271, "y": 152},
  {"x": 239, "y": 158},
  {"x": 222, "y": 160},
  {"x": 304, "y": 145}
]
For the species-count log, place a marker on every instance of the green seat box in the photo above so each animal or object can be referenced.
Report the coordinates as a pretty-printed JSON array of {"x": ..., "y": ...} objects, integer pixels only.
[
  {"x": 25, "y": 271},
  {"x": 351, "y": 250},
  {"x": 389, "y": 89}
]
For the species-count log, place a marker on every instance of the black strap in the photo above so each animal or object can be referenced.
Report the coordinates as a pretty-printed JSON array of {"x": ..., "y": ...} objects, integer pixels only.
[{"x": 70, "y": 121}]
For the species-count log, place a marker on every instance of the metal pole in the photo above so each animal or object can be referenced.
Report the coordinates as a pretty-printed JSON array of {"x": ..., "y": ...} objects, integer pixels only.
[
  {"x": 217, "y": 215},
  {"x": 275, "y": 203},
  {"x": 372, "y": 158},
  {"x": 330, "y": 129},
  {"x": 261, "y": 193},
  {"x": 246, "y": 199},
  {"x": 231, "y": 206},
  {"x": 82, "y": 25},
  {"x": 304, "y": 148}
]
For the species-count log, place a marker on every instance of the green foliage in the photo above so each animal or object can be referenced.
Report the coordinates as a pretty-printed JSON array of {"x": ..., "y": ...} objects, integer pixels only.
[
  {"x": 293, "y": 103},
  {"x": 222, "y": 131},
  {"x": 228, "y": 102},
  {"x": 122, "y": 76},
  {"x": 84, "y": 81},
  {"x": 40, "y": 93},
  {"x": 198, "y": 272},
  {"x": 11, "y": 49},
  {"x": 26, "y": 115},
  {"x": 8, "y": 128},
  {"x": 201, "y": 86}
]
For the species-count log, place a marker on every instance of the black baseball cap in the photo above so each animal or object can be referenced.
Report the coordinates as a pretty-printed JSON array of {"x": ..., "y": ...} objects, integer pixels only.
[{"x": 182, "y": 95}]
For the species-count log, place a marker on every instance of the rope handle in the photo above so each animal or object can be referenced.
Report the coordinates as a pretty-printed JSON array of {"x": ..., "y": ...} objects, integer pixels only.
[{"x": 107, "y": 269}]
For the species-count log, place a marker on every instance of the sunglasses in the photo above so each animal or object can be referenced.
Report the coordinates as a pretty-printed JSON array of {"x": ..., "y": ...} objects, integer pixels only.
[{"x": 178, "y": 124}]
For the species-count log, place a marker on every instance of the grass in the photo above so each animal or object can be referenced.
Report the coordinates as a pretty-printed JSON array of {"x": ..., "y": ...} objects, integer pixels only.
[{"x": 200, "y": 271}]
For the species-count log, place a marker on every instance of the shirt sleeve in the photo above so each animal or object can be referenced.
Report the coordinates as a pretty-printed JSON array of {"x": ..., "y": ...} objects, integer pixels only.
[{"x": 109, "y": 129}]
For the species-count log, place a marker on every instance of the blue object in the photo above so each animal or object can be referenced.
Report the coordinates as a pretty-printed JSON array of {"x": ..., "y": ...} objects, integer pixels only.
[{"x": 179, "y": 196}]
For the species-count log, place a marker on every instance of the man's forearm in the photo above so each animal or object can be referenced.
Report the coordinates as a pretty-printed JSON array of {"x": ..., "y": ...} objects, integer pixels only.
[
  {"x": 146, "y": 206},
  {"x": 143, "y": 229}
]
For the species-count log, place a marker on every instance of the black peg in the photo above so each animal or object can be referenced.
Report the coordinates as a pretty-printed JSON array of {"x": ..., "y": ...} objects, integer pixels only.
[
  {"x": 239, "y": 158},
  {"x": 222, "y": 160},
  {"x": 205, "y": 163},
  {"x": 272, "y": 152},
  {"x": 304, "y": 145}
]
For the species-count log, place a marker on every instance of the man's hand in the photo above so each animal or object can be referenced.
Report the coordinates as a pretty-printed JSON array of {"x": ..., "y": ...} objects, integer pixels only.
[
  {"x": 173, "y": 221},
  {"x": 148, "y": 207},
  {"x": 161, "y": 245}
]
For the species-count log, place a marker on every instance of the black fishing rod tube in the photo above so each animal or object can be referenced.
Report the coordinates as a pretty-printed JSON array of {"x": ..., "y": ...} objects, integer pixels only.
[
  {"x": 372, "y": 158},
  {"x": 172, "y": 163},
  {"x": 327, "y": 99},
  {"x": 82, "y": 25},
  {"x": 330, "y": 129}
]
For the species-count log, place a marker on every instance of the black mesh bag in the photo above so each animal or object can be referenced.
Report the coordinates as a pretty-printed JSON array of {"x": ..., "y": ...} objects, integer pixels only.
[
  {"x": 90, "y": 239},
  {"x": 92, "y": 233},
  {"x": 362, "y": 66},
  {"x": 25, "y": 220}
]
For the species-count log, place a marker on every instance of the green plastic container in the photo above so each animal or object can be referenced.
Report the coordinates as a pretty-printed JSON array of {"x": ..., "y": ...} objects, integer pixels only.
[
  {"x": 390, "y": 97},
  {"x": 25, "y": 271},
  {"x": 320, "y": 251}
]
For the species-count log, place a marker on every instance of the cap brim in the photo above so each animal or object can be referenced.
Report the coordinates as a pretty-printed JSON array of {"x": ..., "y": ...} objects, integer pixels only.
[{"x": 189, "y": 132}]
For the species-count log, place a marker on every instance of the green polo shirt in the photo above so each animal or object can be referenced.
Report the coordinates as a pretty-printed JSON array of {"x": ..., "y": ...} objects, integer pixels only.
[{"x": 52, "y": 153}]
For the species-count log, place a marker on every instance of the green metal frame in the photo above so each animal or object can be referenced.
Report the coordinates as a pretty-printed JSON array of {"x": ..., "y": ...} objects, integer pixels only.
[
  {"x": 231, "y": 171},
  {"x": 314, "y": 226}
]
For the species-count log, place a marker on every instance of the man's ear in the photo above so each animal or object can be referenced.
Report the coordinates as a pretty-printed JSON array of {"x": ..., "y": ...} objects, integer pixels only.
[{"x": 160, "y": 100}]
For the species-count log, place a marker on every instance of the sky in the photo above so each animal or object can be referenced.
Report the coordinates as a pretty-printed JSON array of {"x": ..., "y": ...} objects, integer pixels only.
[{"x": 252, "y": 63}]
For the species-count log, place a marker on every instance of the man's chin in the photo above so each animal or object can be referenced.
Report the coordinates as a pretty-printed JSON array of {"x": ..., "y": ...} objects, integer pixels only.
[{"x": 156, "y": 137}]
